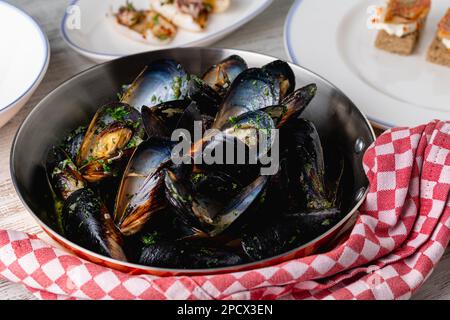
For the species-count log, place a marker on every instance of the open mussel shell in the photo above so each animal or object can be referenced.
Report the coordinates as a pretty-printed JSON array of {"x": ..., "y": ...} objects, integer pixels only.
[
  {"x": 195, "y": 122},
  {"x": 161, "y": 81},
  {"x": 253, "y": 89},
  {"x": 284, "y": 74},
  {"x": 114, "y": 132},
  {"x": 87, "y": 222},
  {"x": 292, "y": 106},
  {"x": 141, "y": 193},
  {"x": 220, "y": 76},
  {"x": 245, "y": 203},
  {"x": 62, "y": 174},
  {"x": 255, "y": 129},
  {"x": 221, "y": 152},
  {"x": 161, "y": 120},
  {"x": 211, "y": 205}
]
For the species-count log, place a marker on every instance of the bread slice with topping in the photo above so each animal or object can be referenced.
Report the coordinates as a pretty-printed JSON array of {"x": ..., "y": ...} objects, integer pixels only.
[
  {"x": 400, "y": 23},
  {"x": 439, "y": 51}
]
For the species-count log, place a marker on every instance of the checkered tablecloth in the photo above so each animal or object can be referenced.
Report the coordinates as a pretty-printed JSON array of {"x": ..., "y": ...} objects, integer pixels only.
[{"x": 401, "y": 233}]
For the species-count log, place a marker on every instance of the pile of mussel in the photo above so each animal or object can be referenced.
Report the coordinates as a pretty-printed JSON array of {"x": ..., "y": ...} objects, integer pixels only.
[{"x": 117, "y": 191}]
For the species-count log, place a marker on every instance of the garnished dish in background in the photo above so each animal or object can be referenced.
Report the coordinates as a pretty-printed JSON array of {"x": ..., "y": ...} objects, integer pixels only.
[
  {"x": 394, "y": 90},
  {"x": 109, "y": 29},
  {"x": 158, "y": 24},
  {"x": 400, "y": 24},
  {"x": 439, "y": 51},
  {"x": 118, "y": 193},
  {"x": 147, "y": 26}
]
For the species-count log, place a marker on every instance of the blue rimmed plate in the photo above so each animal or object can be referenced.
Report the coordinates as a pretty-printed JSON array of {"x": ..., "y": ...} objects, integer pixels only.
[
  {"x": 331, "y": 38},
  {"x": 87, "y": 28}
]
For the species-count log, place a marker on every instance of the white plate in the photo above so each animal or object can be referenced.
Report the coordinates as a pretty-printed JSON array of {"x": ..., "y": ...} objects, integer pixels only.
[
  {"x": 331, "y": 38},
  {"x": 86, "y": 28},
  {"x": 24, "y": 58}
]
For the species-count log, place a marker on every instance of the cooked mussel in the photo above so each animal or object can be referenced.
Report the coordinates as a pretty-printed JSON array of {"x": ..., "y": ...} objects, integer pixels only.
[
  {"x": 292, "y": 106},
  {"x": 159, "y": 252},
  {"x": 255, "y": 129},
  {"x": 206, "y": 98},
  {"x": 114, "y": 132},
  {"x": 220, "y": 76},
  {"x": 204, "y": 258},
  {"x": 211, "y": 214},
  {"x": 161, "y": 81},
  {"x": 307, "y": 168},
  {"x": 287, "y": 232},
  {"x": 141, "y": 193},
  {"x": 87, "y": 222},
  {"x": 63, "y": 175},
  {"x": 161, "y": 120},
  {"x": 284, "y": 74},
  {"x": 253, "y": 89},
  {"x": 72, "y": 143}
]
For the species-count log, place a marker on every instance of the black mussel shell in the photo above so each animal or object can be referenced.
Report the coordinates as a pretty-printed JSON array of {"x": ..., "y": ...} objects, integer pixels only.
[
  {"x": 193, "y": 120},
  {"x": 292, "y": 106},
  {"x": 318, "y": 222},
  {"x": 162, "y": 254},
  {"x": 307, "y": 168},
  {"x": 206, "y": 98},
  {"x": 255, "y": 129},
  {"x": 253, "y": 89},
  {"x": 72, "y": 143},
  {"x": 284, "y": 74},
  {"x": 287, "y": 232},
  {"x": 162, "y": 81},
  {"x": 221, "y": 76},
  {"x": 205, "y": 258},
  {"x": 209, "y": 211},
  {"x": 141, "y": 193},
  {"x": 166, "y": 254},
  {"x": 276, "y": 200},
  {"x": 161, "y": 120},
  {"x": 86, "y": 222},
  {"x": 62, "y": 174}
]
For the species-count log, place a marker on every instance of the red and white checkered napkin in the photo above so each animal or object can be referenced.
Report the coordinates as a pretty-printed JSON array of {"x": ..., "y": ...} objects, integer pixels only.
[{"x": 401, "y": 233}]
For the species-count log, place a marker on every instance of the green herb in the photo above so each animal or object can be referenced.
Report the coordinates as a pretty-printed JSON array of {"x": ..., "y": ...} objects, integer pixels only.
[
  {"x": 233, "y": 120},
  {"x": 118, "y": 114},
  {"x": 150, "y": 239},
  {"x": 156, "y": 19},
  {"x": 197, "y": 177},
  {"x": 129, "y": 5},
  {"x": 176, "y": 87}
]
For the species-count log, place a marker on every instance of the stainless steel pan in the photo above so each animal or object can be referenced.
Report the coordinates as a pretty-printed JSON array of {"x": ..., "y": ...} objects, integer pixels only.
[{"x": 74, "y": 103}]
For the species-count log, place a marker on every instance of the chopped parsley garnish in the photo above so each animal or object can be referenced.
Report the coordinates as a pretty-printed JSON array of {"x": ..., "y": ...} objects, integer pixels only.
[
  {"x": 176, "y": 87},
  {"x": 150, "y": 239},
  {"x": 118, "y": 114}
]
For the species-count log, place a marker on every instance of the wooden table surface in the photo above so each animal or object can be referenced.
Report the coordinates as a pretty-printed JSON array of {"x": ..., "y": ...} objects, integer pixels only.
[{"x": 264, "y": 34}]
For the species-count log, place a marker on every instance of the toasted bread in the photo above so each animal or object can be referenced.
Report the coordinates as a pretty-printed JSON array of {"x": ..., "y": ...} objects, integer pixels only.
[
  {"x": 403, "y": 46},
  {"x": 438, "y": 53}
]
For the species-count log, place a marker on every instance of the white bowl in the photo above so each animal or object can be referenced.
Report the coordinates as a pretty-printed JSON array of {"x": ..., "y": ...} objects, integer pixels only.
[{"x": 24, "y": 59}]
